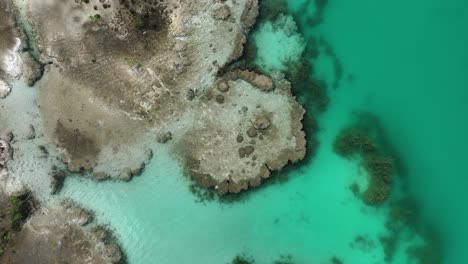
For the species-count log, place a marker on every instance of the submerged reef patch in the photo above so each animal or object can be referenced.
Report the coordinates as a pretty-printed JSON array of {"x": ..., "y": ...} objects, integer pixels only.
[
  {"x": 246, "y": 259},
  {"x": 362, "y": 140},
  {"x": 365, "y": 141},
  {"x": 242, "y": 259},
  {"x": 279, "y": 43},
  {"x": 404, "y": 220}
]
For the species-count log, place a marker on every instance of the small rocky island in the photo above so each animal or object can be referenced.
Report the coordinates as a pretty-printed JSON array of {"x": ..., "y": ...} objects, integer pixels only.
[{"x": 111, "y": 82}]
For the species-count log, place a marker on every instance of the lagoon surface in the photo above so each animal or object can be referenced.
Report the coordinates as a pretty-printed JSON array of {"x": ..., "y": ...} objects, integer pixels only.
[{"x": 406, "y": 63}]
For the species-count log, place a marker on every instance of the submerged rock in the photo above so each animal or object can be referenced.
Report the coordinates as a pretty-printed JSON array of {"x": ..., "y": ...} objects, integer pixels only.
[
  {"x": 58, "y": 178},
  {"x": 220, "y": 99},
  {"x": 164, "y": 137},
  {"x": 31, "y": 133},
  {"x": 281, "y": 30},
  {"x": 363, "y": 139},
  {"x": 262, "y": 122}
]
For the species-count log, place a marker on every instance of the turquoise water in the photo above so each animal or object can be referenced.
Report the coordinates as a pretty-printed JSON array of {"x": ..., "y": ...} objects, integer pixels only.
[{"x": 409, "y": 63}]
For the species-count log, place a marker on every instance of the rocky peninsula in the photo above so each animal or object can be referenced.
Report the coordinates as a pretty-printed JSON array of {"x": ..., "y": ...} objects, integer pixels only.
[{"x": 122, "y": 75}]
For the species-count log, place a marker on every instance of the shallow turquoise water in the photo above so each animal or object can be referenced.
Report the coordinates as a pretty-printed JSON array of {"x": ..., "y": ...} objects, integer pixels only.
[{"x": 410, "y": 63}]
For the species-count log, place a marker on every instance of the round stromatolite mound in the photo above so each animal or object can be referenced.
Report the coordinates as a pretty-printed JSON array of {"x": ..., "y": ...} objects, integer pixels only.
[
  {"x": 262, "y": 122},
  {"x": 252, "y": 132},
  {"x": 6, "y": 152},
  {"x": 249, "y": 150},
  {"x": 5, "y": 89},
  {"x": 222, "y": 13},
  {"x": 220, "y": 99},
  {"x": 223, "y": 86}
]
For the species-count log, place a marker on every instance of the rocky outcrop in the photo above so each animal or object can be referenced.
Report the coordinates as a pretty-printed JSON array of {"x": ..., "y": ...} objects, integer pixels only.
[
  {"x": 263, "y": 133},
  {"x": 61, "y": 234}
]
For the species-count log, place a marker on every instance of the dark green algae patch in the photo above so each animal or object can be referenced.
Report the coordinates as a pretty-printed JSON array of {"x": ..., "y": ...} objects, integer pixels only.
[
  {"x": 245, "y": 259},
  {"x": 283, "y": 259},
  {"x": 363, "y": 140},
  {"x": 14, "y": 211}
]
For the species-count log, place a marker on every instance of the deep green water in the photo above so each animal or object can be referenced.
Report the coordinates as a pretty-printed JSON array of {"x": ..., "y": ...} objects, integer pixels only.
[{"x": 406, "y": 62}]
